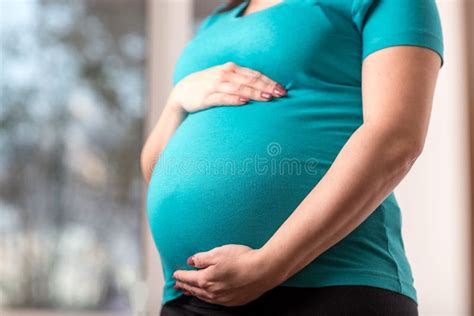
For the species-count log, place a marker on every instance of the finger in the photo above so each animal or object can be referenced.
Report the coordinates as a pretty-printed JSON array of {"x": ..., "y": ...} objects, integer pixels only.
[
  {"x": 251, "y": 73},
  {"x": 203, "y": 259},
  {"x": 250, "y": 77},
  {"x": 219, "y": 98},
  {"x": 259, "y": 80},
  {"x": 181, "y": 289},
  {"x": 193, "y": 290},
  {"x": 272, "y": 88},
  {"x": 206, "y": 299},
  {"x": 243, "y": 90},
  {"x": 191, "y": 277}
]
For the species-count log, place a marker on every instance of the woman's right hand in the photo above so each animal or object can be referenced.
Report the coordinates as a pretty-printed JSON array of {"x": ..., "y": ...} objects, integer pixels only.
[{"x": 226, "y": 84}]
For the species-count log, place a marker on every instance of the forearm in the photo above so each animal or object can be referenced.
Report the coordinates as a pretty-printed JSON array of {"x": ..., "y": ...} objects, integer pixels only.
[
  {"x": 369, "y": 166},
  {"x": 170, "y": 118}
]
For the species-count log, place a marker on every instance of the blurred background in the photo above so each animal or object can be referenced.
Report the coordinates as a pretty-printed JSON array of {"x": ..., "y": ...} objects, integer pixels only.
[
  {"x": 81, "y": 84},
  {"x": 71, "y": 129}
]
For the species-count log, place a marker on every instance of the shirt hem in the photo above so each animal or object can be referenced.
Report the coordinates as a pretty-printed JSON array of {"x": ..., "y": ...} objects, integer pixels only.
[
  {"x": 353, "y": 277},
  {"x": 356, "y": 277},
  {"x": 420, "y": 38}
]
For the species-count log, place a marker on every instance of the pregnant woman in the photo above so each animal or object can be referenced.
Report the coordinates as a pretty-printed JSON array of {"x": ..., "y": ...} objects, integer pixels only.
[{"x": 272, "y": 167}]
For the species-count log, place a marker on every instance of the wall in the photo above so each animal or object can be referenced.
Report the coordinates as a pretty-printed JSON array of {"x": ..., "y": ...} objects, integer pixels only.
[
  {"x": 434, "y": 196},
  {"x": 169, "y": 28}
]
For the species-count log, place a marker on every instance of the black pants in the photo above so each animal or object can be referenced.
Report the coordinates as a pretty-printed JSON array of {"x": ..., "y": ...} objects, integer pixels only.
[{"x": 296, "y": 301}]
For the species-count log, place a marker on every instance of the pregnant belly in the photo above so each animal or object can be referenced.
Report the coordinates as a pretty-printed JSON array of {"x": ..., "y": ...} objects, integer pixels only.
[{"x": 224, "y": 178}]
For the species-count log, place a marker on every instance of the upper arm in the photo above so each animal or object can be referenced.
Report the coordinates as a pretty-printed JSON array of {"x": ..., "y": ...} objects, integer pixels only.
[
  {"x": 402, "y": 52},
  {"x": 397, "y": 90}
]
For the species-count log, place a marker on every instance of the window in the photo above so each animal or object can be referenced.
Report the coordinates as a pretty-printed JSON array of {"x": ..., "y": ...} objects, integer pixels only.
[{"x": 71, "y": 127}]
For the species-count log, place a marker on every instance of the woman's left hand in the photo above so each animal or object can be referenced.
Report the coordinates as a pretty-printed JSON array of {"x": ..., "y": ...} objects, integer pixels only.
[{"x": 228, "y": 275}]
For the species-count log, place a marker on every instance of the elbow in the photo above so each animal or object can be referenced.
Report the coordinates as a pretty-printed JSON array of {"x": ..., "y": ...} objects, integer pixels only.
[
  {"x": 406, "y": 151},
  {"x": 411, "y": 148},
  {"x": 417, "y": 149},
  {"x": 144, "y": 169},
  {"x": 145, "y": 166},
  {"x": 148, "y": 160},
  {"x": 401, "y": 147},
  {"x": 398, "y": 157}
]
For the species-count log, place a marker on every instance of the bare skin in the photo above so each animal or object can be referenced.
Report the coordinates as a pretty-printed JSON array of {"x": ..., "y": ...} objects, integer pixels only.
[{"x": 257, "y": 5}]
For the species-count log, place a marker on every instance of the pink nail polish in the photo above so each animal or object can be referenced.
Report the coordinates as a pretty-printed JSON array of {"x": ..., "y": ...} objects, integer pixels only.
[
  {"x": 266, "y": 95},
  {"x": 279, "y": 90}
]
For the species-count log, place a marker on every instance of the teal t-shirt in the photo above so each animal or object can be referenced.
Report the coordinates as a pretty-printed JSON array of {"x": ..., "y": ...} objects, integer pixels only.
[{"x": 234, "y": 174}]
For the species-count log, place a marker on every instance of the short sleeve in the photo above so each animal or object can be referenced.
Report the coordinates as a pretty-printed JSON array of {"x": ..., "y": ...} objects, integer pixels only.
[{"x": 385, "y": 23}]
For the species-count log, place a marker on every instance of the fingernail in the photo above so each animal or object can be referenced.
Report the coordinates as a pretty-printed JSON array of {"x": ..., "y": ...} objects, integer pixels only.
[
  {"x": 266, "y": 95},
  {"x": 279, "y": 90},
  {"x": 242, "y": 99},
  {"x": 191, "y": 260},
  {"x": 279, "y": 86}
]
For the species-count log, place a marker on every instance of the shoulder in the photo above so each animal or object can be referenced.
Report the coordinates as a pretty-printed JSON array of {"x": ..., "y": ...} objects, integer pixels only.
[
  {"x": 343, "y": 7},
  {"x": 350, "y": 10},
  {"x": 212, "y": 17},
  {"x": 362, "y": 10},
  {"x": 384, "y": 23}
]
